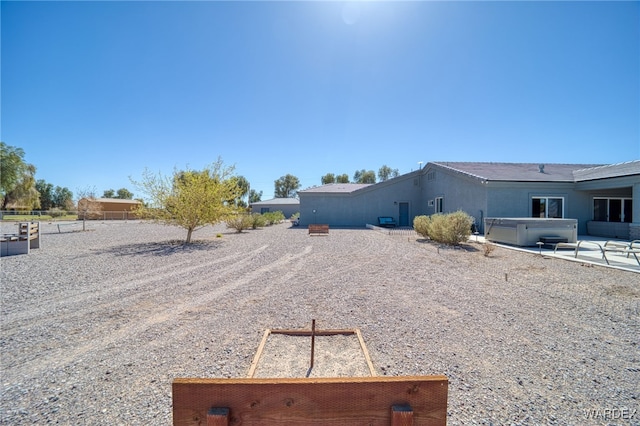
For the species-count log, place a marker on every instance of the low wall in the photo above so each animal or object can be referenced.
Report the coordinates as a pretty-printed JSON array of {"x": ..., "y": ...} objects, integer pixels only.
[{"x": 608, "y": 229}]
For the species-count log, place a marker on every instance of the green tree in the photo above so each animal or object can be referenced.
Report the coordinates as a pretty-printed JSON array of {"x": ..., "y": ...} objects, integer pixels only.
[
  {"x": 243, "y": 186},
  {"x": 385, "y": 173},
  {"x": 255, "y": 196},
  {"x": 63, "y": 198},
  {"x": 287, "y": 186},
  {"x": 124, "y": 194},
  {"x": 364, "y": 176},
  {"x": 46, "y": 194},
  {"x": 189, "y": 199},
  {"x": 109, "y": 193},
  {"x": 17, "y": 181},
  {"x": 25, "y": 195},
  {"x": 12, "y": 167},
  {"x": 328, "y": 178},
  {"x": 343, "y": 178}
]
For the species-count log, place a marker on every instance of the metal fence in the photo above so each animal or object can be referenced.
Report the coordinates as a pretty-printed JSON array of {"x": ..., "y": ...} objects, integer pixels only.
[{"x": 102, "y": 215}]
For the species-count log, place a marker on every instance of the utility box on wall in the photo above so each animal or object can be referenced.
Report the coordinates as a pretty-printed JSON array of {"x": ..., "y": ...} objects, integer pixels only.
[{"x": 526, "y": 232}]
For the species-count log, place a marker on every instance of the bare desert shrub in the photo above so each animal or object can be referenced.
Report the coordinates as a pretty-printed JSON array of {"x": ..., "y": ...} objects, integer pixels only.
[
  {"x": 273, "y": 217},
  {"x": 239, "y": 222},
  {"x": 488, "y": 249},
  {"x": 258, "y": 221}
]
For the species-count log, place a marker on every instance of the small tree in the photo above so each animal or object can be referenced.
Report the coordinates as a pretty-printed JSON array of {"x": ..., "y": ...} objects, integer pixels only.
[
  {"x": 189, "y": 199},
  {"x": 88, "y": 206},
  {"x": 109, "y": 193}
]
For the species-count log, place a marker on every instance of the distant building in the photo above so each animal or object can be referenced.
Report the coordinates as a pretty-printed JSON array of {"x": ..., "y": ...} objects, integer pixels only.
[
  {"x": 288, "y": 206},
  {"x": 605, "y": 199},
  {"x": 106, "y": 208}
]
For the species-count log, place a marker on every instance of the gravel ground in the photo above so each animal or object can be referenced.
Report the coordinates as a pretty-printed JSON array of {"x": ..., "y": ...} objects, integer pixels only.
[{"x": 97, "y": 324}]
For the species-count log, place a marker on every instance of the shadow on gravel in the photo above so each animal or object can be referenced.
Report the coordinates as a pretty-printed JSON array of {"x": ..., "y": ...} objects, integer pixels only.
[
  {"x": 162, "y": 248},
  {"x": 463, "y": 247}
]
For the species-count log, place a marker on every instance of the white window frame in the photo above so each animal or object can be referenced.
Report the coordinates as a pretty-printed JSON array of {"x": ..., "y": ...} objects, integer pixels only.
[
  {"x": 546, "y": 204},
  {"x": 439, "y": 205}
]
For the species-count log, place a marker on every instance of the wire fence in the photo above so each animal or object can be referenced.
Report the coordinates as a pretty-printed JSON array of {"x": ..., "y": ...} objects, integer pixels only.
[
  {"x": 394, "y": 231},
  {"x": 66, "y": 215}
]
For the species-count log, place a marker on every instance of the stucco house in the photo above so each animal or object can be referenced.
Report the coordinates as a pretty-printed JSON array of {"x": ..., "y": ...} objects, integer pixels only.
[
  {"x": 605, "y": 199},
  {"x": 288, "y": 206}
]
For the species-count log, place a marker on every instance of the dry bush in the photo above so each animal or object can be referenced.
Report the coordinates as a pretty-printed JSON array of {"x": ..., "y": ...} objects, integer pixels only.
[
  {"x": 488, "y": 249},
  {"x": 240, "y": 222},
  {"x": 451, "y": 228}
]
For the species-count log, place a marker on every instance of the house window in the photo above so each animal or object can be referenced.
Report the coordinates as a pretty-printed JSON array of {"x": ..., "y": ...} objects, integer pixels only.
[
  {"x": 431, "y": 176},
  {"x": 264, "y": 210},
  {"x": 600, "y": 209},
  {"x": 547, "y": 207},
  {"x": 612, "y": 209},
  {"x": 439, "y": 203}
]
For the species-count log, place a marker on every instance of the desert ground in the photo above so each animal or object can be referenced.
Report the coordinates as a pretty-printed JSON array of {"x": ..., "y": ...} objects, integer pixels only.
[{"x": 97, "y": 324}]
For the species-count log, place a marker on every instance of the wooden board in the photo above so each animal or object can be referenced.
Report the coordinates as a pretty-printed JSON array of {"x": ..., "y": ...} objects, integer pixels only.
[{"x": 325, "y": 401}]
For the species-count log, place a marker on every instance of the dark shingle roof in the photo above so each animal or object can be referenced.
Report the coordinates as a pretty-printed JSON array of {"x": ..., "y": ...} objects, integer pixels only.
[
  {"x": 608, "y": 171},
  {"x": 518, "y": 172}
]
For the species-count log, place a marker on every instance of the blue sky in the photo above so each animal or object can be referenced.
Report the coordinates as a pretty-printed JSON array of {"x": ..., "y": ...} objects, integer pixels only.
[{"x": 95, "y": 92}]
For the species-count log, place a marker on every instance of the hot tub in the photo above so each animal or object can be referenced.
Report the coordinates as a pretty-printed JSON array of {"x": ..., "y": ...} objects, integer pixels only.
[{"x": 526, "y": 231}]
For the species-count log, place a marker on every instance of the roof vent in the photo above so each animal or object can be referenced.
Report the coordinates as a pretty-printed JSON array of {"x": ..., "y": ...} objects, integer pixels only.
[{"x": 541, "y": 168}]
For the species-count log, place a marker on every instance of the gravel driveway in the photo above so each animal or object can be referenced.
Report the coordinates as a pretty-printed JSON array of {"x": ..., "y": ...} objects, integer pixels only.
[{"x": 96, "y": 324}]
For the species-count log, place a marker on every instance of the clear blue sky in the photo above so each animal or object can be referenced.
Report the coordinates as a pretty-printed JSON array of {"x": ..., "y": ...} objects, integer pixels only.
[{"x": 94, "y": 92}]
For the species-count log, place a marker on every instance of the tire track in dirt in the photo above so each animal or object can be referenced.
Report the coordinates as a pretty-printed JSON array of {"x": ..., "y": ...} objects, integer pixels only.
[
  {"x": 58, "y": 322},
  {"x": 66, "y": 355},
  {"x": 338, "y": 265},
  {"x": 287, "y": 273},
  {"x": 121, "y": 285}
]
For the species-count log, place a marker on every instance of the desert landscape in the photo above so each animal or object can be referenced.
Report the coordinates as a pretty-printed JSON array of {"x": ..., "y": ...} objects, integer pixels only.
[{"x": 97, "y": 324}]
